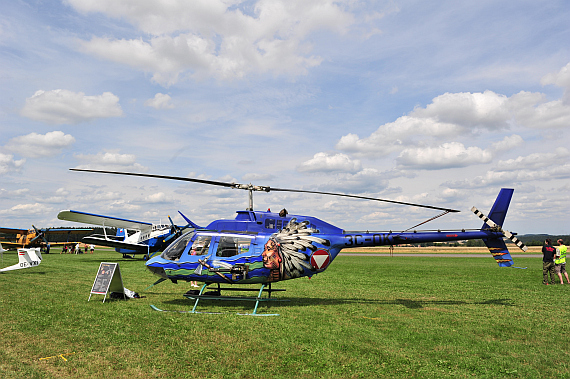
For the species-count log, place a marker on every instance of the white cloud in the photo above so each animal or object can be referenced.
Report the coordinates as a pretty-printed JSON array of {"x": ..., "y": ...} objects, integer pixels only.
[
  {"x": 8, "y": 164},
  {"x": 159, "y": 197},
  {"x": 451, "y": 115},
  {"x": 66, "y": 107},
  {"x": 110, "y": 161},
  {"x": 537, "y": 166},
  {"x": 536, "y": 161},
  {"x": 35, "y": 145},
  {"x": 159, "y": 101},
  {"x": 26, "y": 209},
  {"x": 508, "y": 143},
  {"x": 367, "y": 180},
  {"x": 222, "y": 39},
  {"x": 467, "y": 110},
  {"x": 533, "y": 111},
  {"x": 16, "y": 193},
  {"x": 394, "y": 136},
  {"x": 454, "y": 154},
  {"x": 257, "y": 178},
  {"x": 560, "y": 78},
  {"x": 447, "y": 155},
  {"x": 323, "y": 162}
]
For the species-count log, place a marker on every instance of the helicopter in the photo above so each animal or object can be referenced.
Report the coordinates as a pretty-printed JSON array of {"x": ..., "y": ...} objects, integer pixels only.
[{"x": 265, "y": 247}]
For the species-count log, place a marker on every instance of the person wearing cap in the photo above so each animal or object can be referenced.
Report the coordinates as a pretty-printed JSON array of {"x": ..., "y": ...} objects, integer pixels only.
[
  {"x": 560, "y": 261},
  {"x": 548, "y": 252}
]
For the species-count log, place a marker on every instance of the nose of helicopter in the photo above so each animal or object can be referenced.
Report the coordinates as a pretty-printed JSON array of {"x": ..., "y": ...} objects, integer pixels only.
[{"x": 159, "y": 271}]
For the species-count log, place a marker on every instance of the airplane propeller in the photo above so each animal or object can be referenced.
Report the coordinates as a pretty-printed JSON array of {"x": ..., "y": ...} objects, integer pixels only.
[
  {"x": 175, "y": 230},
  {"x": 40, "y": 233},
  {"x": 250, "y": 188}
]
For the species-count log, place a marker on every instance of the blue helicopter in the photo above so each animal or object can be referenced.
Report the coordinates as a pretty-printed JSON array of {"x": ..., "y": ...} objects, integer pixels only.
[{"x": 264, "y": 247}]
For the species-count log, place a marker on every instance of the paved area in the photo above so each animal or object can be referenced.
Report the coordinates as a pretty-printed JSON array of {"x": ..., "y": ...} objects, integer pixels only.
[{"x": 436, "y": 255}]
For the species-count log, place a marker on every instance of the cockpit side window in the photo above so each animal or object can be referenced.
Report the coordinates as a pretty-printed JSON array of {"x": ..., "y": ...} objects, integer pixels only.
[
  {"x": 230, "y": 246},
  {"x": 200, "y": 245},
  {"x": 175, "y": 250}
]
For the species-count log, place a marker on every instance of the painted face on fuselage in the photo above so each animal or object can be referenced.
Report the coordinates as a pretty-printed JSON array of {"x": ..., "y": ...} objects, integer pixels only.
[{"x": 272, "y": 259}]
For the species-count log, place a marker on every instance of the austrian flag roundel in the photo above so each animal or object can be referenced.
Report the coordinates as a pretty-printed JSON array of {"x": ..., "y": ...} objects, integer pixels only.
[{"x": 320, "y": 259}]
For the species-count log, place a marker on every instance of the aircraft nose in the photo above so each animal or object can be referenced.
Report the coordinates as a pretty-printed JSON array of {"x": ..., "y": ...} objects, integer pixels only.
[{"x": 157, "y": 271}]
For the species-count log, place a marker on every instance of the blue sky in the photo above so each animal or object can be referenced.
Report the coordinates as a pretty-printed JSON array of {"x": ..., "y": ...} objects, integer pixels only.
[{"x": 436, "y": 104}]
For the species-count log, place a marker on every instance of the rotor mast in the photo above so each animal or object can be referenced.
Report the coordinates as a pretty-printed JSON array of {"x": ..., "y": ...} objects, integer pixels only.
[{"x": 250, "y": 188}]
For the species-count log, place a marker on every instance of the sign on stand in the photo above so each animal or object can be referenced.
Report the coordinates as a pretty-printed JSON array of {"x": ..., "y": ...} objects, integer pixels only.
[{"x": 108, "y": 279}]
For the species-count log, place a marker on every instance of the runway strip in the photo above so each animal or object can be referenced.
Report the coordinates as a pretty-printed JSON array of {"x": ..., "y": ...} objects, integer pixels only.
[{"x": 435, "y": 255}]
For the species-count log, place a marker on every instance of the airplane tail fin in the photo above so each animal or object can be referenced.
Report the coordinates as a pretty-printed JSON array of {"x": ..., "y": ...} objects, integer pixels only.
[
  {"x": 121, "y": 233},
  {"x": 29, "y": 257},
  {"x": 190, "y": 223},
  {"x": 26, "y": 258},
  {"x": 495, "y": 221}
]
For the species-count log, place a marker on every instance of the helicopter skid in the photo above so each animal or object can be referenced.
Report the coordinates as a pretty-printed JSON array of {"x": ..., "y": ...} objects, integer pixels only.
[
  {"x": 216, "y": 295},
  {"x": 168, "y": 310}
]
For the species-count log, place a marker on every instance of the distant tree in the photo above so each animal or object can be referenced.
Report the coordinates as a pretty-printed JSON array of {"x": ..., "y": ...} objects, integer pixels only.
[{"x": 474, "y": 243}]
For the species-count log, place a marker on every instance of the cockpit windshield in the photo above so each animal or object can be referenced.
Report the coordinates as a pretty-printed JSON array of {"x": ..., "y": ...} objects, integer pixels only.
[{"x": 175, "y": 250}]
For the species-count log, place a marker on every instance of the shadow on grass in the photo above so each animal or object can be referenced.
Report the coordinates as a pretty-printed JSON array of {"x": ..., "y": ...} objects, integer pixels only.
[{"x": 307, "y": 301}]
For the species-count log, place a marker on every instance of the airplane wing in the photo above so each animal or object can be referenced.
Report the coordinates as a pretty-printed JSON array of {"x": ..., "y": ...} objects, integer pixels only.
[
  {"x": 93, "y": 219},
  {"x": 60, "y": 230},
  {"x": 11, "y": 245},
  {"x": 13, "y": 231},
  {"x": 100, "y": 240}
]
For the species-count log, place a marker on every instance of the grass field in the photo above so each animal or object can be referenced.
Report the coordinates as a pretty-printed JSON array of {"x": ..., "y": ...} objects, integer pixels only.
[{"x": 365, "y": 317}]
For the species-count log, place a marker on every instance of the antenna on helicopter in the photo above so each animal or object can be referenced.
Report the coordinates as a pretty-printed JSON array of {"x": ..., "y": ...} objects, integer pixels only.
[{"x": 250, "y": 188}]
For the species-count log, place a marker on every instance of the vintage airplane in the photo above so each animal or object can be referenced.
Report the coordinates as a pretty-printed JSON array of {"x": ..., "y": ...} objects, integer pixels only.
[
  {"x": 264, "y": 247},
  {"x": 132, "y": 237},
  {"x": 27, "y": 258},
  {"x": 28, "y": 238}
]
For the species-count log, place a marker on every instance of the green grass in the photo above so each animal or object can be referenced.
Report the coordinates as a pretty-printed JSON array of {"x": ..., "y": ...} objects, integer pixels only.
[{"x": 365, "y": 317}]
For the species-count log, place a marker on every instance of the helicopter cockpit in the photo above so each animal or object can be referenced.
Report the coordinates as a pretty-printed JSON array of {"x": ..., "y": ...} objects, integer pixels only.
[
  {"x": 175, "y": 250},
  {"x": 189, "y": 242}
]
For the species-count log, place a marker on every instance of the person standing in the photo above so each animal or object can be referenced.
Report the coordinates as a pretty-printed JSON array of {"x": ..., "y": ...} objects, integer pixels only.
[
  {"x": 560, "y": 261},
  {"x": 548, "y": 252}
]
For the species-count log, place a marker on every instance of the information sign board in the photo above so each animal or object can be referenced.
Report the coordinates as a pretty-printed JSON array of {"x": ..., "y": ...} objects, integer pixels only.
[{"x": 108, "y": 279}]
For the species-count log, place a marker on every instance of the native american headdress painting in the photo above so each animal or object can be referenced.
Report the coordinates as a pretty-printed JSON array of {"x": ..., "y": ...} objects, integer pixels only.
[{"x": 284, "y": 252}]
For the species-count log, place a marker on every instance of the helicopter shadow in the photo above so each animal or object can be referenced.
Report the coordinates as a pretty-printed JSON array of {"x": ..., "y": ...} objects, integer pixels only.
[{"x": 308, "y": 301}]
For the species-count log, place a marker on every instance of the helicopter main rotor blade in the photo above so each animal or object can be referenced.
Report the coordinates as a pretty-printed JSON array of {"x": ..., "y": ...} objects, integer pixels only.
[
  {"x": 365, "y": 198},
  {"x": 261, "y": 188},
  {"x": 211, "y": 182}
]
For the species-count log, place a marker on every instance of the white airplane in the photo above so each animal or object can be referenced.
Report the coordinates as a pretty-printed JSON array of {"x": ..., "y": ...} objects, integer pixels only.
[
  {"x": 133, "y": 237},
  {"x": 27, "y": 258}
]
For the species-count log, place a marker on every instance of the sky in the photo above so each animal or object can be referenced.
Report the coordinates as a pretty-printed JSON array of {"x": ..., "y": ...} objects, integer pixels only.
[{"x": 439, "y": 103}]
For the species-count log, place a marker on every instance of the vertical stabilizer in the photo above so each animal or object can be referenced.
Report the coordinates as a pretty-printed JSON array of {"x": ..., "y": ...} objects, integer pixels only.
[
  {"x": 499, "y": 210},
  {"x": 497, "y": 246},
  {"x": 26, "y": 258}
]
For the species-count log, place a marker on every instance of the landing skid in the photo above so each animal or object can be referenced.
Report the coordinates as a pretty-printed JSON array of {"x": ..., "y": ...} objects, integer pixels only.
[{"x": 216, "y": 295}]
